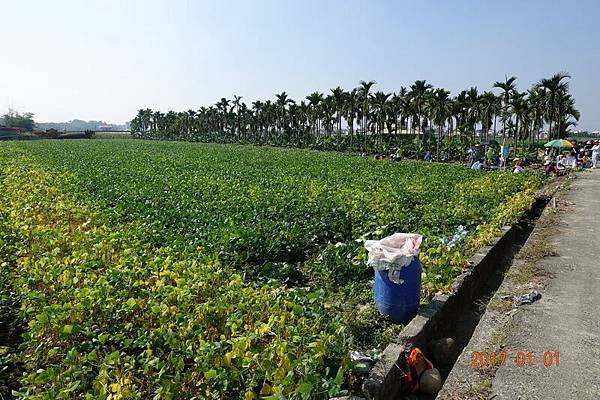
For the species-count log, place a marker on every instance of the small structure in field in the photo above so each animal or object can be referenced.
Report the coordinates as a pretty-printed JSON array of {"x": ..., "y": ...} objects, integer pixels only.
[{"x": 9, "y": 133}]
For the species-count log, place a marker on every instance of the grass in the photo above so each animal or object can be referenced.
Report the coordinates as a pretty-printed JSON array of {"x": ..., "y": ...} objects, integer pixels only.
[{"x": 534, "y": 250}]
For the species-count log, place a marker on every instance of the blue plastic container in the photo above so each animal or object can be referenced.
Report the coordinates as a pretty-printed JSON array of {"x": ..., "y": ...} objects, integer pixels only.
[{"x": 399, "y": 301}]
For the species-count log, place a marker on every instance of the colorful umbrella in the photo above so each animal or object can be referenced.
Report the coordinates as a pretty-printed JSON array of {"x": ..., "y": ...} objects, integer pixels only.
[{"x": 559, "y": 143}]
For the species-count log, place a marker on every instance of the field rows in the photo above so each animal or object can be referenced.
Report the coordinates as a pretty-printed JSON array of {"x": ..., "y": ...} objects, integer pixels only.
[{"x": 173, "y": 270}]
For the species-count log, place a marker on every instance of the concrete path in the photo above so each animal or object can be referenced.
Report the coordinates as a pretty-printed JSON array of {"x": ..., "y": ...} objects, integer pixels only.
[
  {"x": 567, "y": 318},
  {"x": 561, "y": 259}
]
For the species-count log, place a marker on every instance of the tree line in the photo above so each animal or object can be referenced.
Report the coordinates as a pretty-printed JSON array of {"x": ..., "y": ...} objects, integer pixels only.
[
  {"x": 366, "y": 119},
  {"x": 77, "y": 125},
  {"x": 15, "y": 119}
]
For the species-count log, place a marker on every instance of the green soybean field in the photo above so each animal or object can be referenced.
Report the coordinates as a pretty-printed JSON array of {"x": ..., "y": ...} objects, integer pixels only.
[{"x": 136, "y": 269}]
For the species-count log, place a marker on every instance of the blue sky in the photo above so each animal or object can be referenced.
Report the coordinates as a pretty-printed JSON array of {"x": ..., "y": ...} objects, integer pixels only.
[{"x": 104, "y": 59}]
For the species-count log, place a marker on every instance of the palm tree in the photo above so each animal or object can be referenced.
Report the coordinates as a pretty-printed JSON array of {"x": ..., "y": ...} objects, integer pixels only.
[
  {"x": 567, "y": 110},
  {"x": 394, "y": 111},
  {"x": 488, "y": 108},
  {"x": 554, "y": 87},
  {"x": 257, "y": 120},
  {"x": 508, "y": 87},
  {"x": 364, "y": 89},
  {"x": 419, "y": 94},
  {"x": 520, "y": 109},
  {"x": 497, "y": 110},
  {"x": 282, "y": 101},
  {"x": 440, "y": 108},
  {"x": 314, "y": 99},
  {"x": 269, "y": 116},
  {"x": 236, "y": 106},
  {"x": 400, "y": 106},
  {"x": 327, "y": 110},
  {"x": 351, "y": 110},
  {"x": 304, "y": 122},
  {"x": 338, "y": 96},
  {"x": 285, "y": 123},
  {"x": 472, "y": 109},
  {"x": 409, "y": 111},
  {"x": 379, "y": 100},
  {"x": 223, "y": 108},
  {"x": 536, "y": 99}
]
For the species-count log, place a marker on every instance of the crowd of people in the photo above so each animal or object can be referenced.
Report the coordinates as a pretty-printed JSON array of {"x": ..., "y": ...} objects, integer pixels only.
[
  {"x": 585, "y": 155},
  {"x": 481, "y": 165},
  {"x": 556, "y": 160},
  {"x": 493, "y": 160}
]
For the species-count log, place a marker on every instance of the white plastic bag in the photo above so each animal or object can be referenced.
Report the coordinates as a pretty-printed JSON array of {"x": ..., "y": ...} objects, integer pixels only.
[{"x": 393, "y": 252}]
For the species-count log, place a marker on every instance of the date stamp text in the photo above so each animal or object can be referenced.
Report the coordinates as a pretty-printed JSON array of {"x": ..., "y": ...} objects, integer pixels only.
[{"x": 484, "y": 359}]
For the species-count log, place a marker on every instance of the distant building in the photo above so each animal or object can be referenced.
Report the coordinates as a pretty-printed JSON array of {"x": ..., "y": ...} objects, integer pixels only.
[
  {"x": 106, "y": 128},
  {"x": 7, "y": 133}
]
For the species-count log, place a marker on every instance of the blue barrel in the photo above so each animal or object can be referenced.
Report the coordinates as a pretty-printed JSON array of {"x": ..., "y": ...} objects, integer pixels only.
[{"x": 399, "y": 301}]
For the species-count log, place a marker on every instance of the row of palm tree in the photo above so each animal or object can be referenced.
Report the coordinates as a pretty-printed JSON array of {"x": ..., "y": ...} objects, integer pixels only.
[{"x": 364, "y": 119}]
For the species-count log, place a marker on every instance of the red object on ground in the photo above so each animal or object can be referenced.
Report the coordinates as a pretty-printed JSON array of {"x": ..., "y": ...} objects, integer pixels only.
[{"x": 417, "y": 363}]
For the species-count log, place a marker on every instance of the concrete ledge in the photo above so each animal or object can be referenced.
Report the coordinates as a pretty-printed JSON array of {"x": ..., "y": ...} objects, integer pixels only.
[
  {"x": 384, "y": 381},
  {"x": 491, "y": 331}
]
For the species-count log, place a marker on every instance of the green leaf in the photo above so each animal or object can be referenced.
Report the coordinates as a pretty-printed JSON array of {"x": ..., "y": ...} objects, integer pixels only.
[
  {"x": 304, "y": 388},
  {"x": 210, "y": 374},
  {"x": 113, "y": 357},
  {"x": 42, "y": 318},
  {"x": 92, "y": 356},
  {"x": 131, "y": 302},
  {"x": 339, "y": 377}
]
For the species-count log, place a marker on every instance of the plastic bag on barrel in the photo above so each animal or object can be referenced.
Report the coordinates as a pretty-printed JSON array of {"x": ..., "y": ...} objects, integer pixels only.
[{"x": 393, "y": 252}]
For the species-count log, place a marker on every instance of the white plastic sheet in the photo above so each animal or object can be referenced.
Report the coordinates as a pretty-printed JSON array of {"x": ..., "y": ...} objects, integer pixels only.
[
  {"x": 393, "y": 252},
  {"x": 458, "y": 236}
]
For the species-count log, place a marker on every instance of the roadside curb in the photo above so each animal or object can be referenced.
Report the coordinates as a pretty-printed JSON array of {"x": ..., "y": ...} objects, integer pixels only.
[
  {"x": 464, "y": 380},
  {"x": 384, "y": 380}
]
